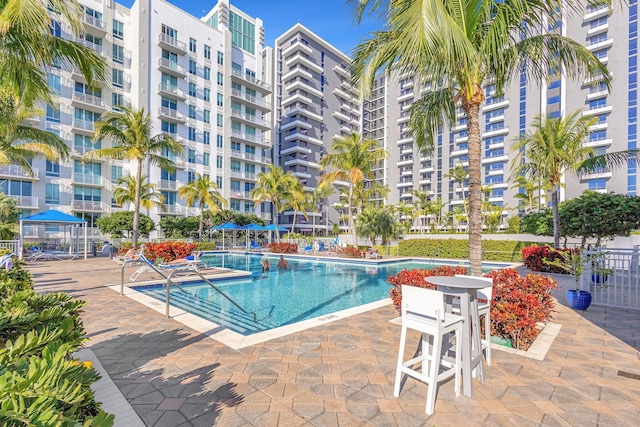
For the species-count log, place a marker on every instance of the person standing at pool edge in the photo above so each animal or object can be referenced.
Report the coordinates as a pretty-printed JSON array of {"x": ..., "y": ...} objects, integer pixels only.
[{"x": 283, "y": 263}]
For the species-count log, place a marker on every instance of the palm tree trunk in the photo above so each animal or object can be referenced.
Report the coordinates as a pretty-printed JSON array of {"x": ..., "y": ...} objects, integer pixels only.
[
  {"x": 556, "y": 216},
  {"x": 472, "y": 110},
  {"x": 275, "y": 218},
  {"x": 136, "y": 205},
  {"x": 313, "y": 231},
  {"x": 293, "y": 224},
  {"x": 201, "y": 228},
  {"x": 352, "y": 226}
]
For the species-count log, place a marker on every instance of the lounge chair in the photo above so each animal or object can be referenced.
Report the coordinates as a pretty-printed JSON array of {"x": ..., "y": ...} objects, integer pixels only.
[
  {"x": 39, "y": 255},
  {"x": 188, "y": 266},
  {"x": 307, "y": 250},
  {"x": 372, "y": 255},
  {"x": 6, "y": 262},
  {"x": 257, "y": 247}
]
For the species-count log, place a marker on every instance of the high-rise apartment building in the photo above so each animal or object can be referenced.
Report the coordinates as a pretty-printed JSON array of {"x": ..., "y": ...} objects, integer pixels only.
[
  {"x": 314, "y": 103},
  {"x": 236, "y": 107}
]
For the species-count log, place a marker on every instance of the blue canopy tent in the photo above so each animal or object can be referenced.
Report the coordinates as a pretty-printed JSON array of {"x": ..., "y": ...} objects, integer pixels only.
[
  {"x": 253, "y": 227},
  {"x": 272, "y": 227},
  {"x": 227, "y": 226},
  {"x": 57, "y": 218}
]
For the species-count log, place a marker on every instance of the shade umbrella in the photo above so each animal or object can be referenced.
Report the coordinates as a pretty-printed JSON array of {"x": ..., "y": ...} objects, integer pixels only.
[
  {"x": 272, "y": 227},
  {"x": 253, "y": 227},
  {"x": 227, "y": 226}
]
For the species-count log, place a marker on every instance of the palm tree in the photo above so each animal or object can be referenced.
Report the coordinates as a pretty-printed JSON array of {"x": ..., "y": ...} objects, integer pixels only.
[
  {"x": 8, "y": 217},
  {"x": 20, "y": 143},
  {"x": 457, "y": 48},
  {"x": 422, "y": 207},
  {"x": 435, "y": 209},
  {"x": 29, "y": 45},
  {"x": 129, "y": 131},
  {"x": 460, "y": 175},
  {"x": 530, "y": 190},
  {"x": 552, "y": 148},
  {"x": 405, "y": 211},
  {"x": 352, "y": 159},
  {"x": 204, "y": 192},
  {"x": 150, "y": 197},
  {"x": 297, "y": 199},
  {"x": 366, "y": 223},
  {"x": 274, "y": 186}
]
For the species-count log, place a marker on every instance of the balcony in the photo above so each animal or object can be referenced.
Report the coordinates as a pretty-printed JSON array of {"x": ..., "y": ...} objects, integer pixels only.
[
  {"x": 170, "y": 114},
  {"x": 606, "y": 174},
  {"x": 85, "y": 126},
  {"x": 25, "y": 202},
  {"x": 303, "y": 137},
  {"x": 98, "y": 48},
  {"x": 250, "y": 156},
  {"x": 258, "y": 102},
  {"x": 89, "y": 206},
  {"x": 250, "y": 81},
  {"x": 14, "y": 171},
  {"x": 172, "y": 44},
  {"x": 79, "y": 151},
  {"x": 171, "y": 67},
  {"x": 304, "y": 84},
  {"x": 297, "y": 44},
  {"x": 306, "y": 60},
  {"x": 306, "y": 111},
  {"x": 87, "y": 179},
  {"x": 91, "y": 101},
  {"x": 166, "y": 184},
  {"x": 342, "y": 70},
  {"x": 256, "y": 139},
  {"x": 173, "y": 210},
  {"x": 250, "y": 118},
  {"x": 297, "y": 96},
  {"x": 94, "y": 23},
  {"x": 243, "y": 175},
  {"x": 297, "y": 71},
  {"x": 290, "y": 122},
  {"x": 341, "y": 116},
  {"x": 240, "y": 195},
  {"x": 599, "y": 110},
  {"x": 171, "y": 91}
]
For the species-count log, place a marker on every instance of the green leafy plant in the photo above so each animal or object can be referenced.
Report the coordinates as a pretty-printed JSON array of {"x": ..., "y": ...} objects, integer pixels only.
[{"x": 492, "y": 250}]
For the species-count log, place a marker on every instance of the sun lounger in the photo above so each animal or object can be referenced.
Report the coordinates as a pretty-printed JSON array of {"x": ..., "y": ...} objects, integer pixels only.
[
  {"x": 38, "y": 255},
  {"x": 6, "y": 262},
  {"x": 186, "y": 267}
]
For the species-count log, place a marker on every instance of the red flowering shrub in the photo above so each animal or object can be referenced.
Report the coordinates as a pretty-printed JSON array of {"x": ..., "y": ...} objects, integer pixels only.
[
  {"x": 283, "y": 247},
  {"x": 168, "y": 251},
  {"x": 350, "y": 252},
  {"x": 518, "y": 303},
  {"x": 535, "y": 258},
  {"x": 416, "y": 278}
]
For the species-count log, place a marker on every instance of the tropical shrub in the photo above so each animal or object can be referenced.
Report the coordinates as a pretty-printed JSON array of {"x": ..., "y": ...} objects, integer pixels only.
[
  {"x": 492, "y": 250},
  {"x": 283, "y": 247},
  {"x": 168, "y": 251},
  {"x": 417, "y": 278},
  {"x": 538, "y": 258},
  {"x": 40, "y": 382},
  {"x": 382, "y": 250},
  {"x": 350, "y": 252},
  {"x": 518, "y": 303},
  {"x": 205, "y": 246}
]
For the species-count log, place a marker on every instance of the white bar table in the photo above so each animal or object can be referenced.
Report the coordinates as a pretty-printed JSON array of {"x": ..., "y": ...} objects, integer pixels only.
[{"x": 465, "y": 288}]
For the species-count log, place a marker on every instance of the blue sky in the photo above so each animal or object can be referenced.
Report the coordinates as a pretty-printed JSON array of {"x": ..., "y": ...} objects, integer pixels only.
[{"x": 330, "y": 19}]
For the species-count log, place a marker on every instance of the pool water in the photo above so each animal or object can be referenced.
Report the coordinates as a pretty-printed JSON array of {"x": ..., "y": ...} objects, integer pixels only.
[{"x": 308, "y": 289}]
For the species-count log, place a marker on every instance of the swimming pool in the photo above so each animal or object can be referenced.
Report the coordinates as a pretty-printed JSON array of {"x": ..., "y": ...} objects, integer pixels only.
[{"x": 309, "y": 289}]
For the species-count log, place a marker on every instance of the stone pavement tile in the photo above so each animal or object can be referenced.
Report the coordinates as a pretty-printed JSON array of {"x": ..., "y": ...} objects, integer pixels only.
[
  {"x": 547, "y": 407},
  {"x": 499, "y": 420},
  {"x": 332, "y": 378},
  {"x": 382, "y": 419},
  {"x": 281, "y": 404},
  {"x": 363, "y": 412},
  {"x": 154, "y": 397},
  {"x": 171, "y": 403},
  {"x": 231, "y": 419},
  {"x": 378, "y": 379},
  {"x": 525, "y": 410},
  {"x": 147, "y": 413},
  {"x": 170, "y": 418},
  {"x": 308, "y": 411},
  {"x": 451, "y": 419},
  {"x": 251, "y": 413},
  {"x": 494, "y": 406},
  {"x": 350, "y": 420},
  {"x": 325, "y": 419},
  {"x": 197, "y": 410},
  {"x": 554, "y": 420},
  {"x": 389, "y": 405},
  {"x": 580, "y": 416},
  {"x": 617, "y": 420},
  {"x": 335, "y": 405}
]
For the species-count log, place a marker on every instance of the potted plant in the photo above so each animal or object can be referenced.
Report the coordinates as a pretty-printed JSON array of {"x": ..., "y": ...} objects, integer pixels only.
[
  {"x": 599, "y": 272},
  {"x": 571, "y": 261}
]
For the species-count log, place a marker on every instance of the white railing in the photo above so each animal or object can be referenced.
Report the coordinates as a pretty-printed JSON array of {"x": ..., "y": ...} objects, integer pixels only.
[
  {"x": 612, "y": 276},
  {"x": 18, "y": 172},
  {"x": 89, "y": 99},
  {"x": 13, "y": 246},
  {"x": 26, "y": 201},
  {"x": 84, "y": 178}
]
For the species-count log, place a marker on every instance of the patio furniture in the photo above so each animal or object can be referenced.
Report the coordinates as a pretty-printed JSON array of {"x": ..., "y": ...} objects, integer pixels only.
[
  {"x": 189, "y": 266},
  {"x": 484, "y": 309},
  {"x": 465, "y": 288},
  {"x": 423, "y": 310},
  {"x": 6, "y": 262}
]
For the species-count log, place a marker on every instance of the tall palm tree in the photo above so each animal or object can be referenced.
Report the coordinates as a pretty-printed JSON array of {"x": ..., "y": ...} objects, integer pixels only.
[
  {"x": 298, "y": 200},
  {"x": 352, "y": 159},
  {"x": 422, "y": 207},
  {"x": 551, "y": 149},
  {"x": 125, "y": 192},
  {"x": 457, "y": 48},
  {"x": 29, "y": 44},
  {"x": 8, "y": 217},
  {"x": 460, "y": 175},
  {"x": 204, "y": 192},
  {"x": 130, "y": 134},
  {"x": 274, "y": 186},
  {"x": 529, "y": 196},
  {"x": 20, "y": 143}
]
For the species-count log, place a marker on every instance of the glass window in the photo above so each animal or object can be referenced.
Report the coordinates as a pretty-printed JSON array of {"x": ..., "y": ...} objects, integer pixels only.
[
  {"x": 207, "y": 52},
  {"x": 192, "y": 89},
  {"x": 206, "y": 137},
  {"x": 117, "y": 77},
  {"x": 220, "y": 79},
  {"x": 116, "y": 173},
  {"x": 193, "y": 67},
  {"x": 219, "y": 141},
  {"x": 219, "y": 181},
  {"x": 54, "y": 82},
  {"x": 206, "y": 159},
  {"x": 220, "y": 58},
  {"x": 53, "y": 113},
  {"x": 219, "y": 100},
  {"x": 52, "y": 196},
  {"x": 118, "y": 29},
  {"x": 192, "y": 112},
  {"x": 118, "y": 54},
  {"x": 206, "y": 116},
  {"x": 53, "y": 169},
  {"x": 191, "y": 156},
  {"x": 220, "y": 120},
  {"x": 192, "y": 45},
  {"x": 117, "y": 100},
  {"x": 206, "y": 95},
  {"x": 192, "y": 134},
  {"x": 207, "y": 73},
  {"x": 234, "y": 185}
]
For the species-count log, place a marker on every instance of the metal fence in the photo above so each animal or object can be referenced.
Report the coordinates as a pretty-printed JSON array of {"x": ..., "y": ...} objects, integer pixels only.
[
  {"x": 612, "y": 276},
  {"x": 12, "y": 246}
]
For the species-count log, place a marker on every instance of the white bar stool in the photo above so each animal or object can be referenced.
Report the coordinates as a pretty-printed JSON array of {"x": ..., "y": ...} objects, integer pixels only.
[
  {"x": 484, "y": 309},
  {"x": 423, "y": 311}
]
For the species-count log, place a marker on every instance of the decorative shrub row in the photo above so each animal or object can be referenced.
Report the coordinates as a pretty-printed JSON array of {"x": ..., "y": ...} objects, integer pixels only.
[
  {"x": 518, "y": 303},
  {"x": 40, "y": 382},
  {"x": 382, "y": 250},
  {"x": 168, "y": 251},
  {"x": 283, "y": 247},
  {"x": 349, "y": 252},
  {"x": 536, "y": 258},
  {"x": 205, "y": 246},
  {"x": 492, "y": 250}
]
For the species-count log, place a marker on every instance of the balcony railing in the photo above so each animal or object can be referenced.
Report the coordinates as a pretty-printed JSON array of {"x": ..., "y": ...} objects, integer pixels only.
[
  {"x": 15, "y": 171},
  {"x": 93, "y": 21},
  {"x": 251, "y": 79},
  {"x": 88, "y": 205},
  {"x": 172, "y": 41},
  {"x": 84, "y": 125},
  {"x": 25, "y": 202},
  {"x": 250, "y": 98},
  {"x": 89, "y": 99},
  {"x": 171, "y": 65},
  {"x": 83, "y": 178},
  {"x": 248, "y": 117},
  {"x": 168, "y": 184}
]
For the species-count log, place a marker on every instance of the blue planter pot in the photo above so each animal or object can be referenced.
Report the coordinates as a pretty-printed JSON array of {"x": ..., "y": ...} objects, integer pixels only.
[{"x": 578, "y": 300}]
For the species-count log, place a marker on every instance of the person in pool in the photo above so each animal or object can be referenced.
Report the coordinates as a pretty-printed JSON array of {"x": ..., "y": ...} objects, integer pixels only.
[
  {"x": 266, "y": 265},
  {"x": 283, "y": 263}
]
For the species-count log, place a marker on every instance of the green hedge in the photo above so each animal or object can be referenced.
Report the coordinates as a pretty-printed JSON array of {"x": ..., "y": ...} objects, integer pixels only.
[
  {"x": 492, "y": 250},
  {"x": 205, "y": 246}
]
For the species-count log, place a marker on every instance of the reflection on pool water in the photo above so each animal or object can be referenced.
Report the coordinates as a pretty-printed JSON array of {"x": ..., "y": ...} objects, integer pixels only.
[{"x": 308, "y": 289}]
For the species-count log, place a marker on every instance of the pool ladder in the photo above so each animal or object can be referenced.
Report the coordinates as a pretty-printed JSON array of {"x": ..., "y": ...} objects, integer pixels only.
[{"x": 170, "y": 282}]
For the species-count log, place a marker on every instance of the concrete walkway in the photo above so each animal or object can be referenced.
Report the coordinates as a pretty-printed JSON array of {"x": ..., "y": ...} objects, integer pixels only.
[{"x": 342, "y": 373}]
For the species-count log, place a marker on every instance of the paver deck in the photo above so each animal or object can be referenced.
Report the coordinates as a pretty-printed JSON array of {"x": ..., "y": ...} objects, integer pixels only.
[{"x": 342, "y": 373}]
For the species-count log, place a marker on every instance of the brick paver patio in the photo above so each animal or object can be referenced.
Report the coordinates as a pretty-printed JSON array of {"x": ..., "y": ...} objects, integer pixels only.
[{"x": 342, "y": 373}]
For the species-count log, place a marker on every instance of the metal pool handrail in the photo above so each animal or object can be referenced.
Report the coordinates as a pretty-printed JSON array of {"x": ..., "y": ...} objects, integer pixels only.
[
  {"x": 124, "y": 264},
  {"x": 210, "y": 284}
]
